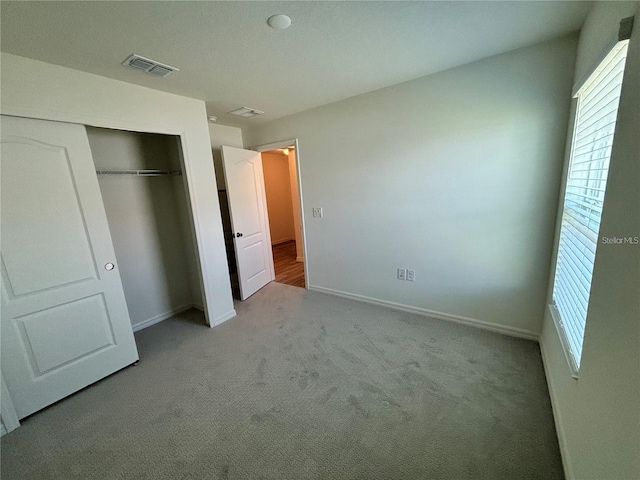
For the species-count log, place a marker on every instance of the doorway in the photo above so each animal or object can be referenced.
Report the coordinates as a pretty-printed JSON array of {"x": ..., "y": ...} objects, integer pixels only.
[
  {"x": 145, "y": 199},
  {"x": 283, "y": 206},
  {"x": 257, "y": 237}
]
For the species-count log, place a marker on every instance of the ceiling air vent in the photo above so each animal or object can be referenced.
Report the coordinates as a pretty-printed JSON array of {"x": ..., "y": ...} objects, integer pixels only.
[
  {"x": 246, "y": 112},
  {"x": 147, "y": 65}
]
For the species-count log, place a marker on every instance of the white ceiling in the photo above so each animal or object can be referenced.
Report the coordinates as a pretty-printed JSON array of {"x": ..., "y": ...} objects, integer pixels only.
[{"x": 229, "y": 57}]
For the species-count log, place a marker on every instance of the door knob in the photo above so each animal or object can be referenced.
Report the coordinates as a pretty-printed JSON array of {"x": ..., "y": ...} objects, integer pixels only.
[
  {"x": 109, "y": 266},
  {"x": 238, "y": 234}
]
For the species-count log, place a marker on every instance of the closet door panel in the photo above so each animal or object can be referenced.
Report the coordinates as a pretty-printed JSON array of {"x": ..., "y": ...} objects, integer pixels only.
[
  {"x": 64, "y": 321},
  {"x": 55, "y": 211}
]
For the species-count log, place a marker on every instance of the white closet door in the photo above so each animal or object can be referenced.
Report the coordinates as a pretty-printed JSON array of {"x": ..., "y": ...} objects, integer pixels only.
[{"x": 64, "y": 321}]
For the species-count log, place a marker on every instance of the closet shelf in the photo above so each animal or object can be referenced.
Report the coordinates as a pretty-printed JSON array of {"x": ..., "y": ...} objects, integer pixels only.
[{"x": 140, "y": 173}]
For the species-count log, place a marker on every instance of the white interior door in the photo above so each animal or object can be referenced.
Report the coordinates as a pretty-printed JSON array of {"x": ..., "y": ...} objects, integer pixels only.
[
  {"x": 249, "y": 221},
  {"x": 64, "y": 321}
]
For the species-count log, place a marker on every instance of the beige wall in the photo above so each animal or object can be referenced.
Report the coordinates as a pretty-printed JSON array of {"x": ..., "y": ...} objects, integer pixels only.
[
  {"x": 148, "y": 221},
  {"x": 598, "y": 414},
  {"x": 278, "y": 192},
  {"x": 455, "y": 175},
  {"x": 40, "y": 90},
  {"x": 231, "y": 137},
  {"x": 222, "y": 135}
]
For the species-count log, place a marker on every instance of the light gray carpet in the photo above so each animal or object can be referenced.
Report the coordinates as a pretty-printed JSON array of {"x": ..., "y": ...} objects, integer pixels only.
[{"x": 301, "y": 385}]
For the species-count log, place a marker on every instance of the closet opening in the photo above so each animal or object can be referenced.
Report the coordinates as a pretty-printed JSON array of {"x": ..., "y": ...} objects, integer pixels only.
[{"x": 146, "y": 202}]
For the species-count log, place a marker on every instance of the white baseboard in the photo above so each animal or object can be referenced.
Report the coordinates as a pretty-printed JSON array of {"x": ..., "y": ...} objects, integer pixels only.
[
  {"x": 299, "y": 259},
  {"x": 222, "y": 318},
  {"x": 562, "y": 438},
  {"x": 282, "y": 240},
  {"x": 494, "y": 327},
  {"x": 159, "y": 318}
]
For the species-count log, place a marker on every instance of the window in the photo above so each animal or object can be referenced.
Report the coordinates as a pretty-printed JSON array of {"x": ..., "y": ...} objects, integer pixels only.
[{"x": 595, "y": 122}]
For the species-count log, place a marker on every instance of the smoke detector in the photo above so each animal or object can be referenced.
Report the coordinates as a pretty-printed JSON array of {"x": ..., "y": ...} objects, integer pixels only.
[
  {"x": 246, "y": 112},
  {"x": 150, "y": 66},
  {"x": 279, "y": 22}
]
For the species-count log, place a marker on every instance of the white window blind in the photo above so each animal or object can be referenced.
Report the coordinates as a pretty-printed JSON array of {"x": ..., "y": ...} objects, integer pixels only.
[{"x": 595, "y": 123}]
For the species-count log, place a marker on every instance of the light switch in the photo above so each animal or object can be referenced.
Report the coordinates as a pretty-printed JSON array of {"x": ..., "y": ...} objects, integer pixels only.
[{"x": 317, "y": 212}]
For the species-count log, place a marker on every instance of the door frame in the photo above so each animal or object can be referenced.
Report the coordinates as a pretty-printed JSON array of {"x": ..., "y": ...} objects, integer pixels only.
[
  {"x": 284, "y": 144},
  {"x": 197, "y": 227}
]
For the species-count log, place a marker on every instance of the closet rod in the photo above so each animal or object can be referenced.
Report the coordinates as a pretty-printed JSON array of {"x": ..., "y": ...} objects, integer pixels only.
[{"x": 141, "y": 173}]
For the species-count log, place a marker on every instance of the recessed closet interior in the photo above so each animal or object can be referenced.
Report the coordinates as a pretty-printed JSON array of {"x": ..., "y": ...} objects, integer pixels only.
[{"x": 145, "y": 199}]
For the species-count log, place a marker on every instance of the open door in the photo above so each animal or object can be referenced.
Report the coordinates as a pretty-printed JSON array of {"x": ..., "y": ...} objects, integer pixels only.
[
  {"x": 64, "y": 321},
  {"x": 249, "y": 222}
]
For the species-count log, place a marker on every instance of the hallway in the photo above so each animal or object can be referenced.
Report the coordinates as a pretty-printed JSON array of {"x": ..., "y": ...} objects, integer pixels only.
[{"x": 288, "y": 270}]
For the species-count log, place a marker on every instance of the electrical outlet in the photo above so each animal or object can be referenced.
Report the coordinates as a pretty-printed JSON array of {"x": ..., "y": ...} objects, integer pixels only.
[
  {"x": 317, "y": 212},
  {"x": 402, "y": 274},
  {"x": 411, "y": 275}
]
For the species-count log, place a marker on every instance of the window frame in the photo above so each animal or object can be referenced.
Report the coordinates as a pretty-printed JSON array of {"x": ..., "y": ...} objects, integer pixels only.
[{"x": 574, "y": 360}]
